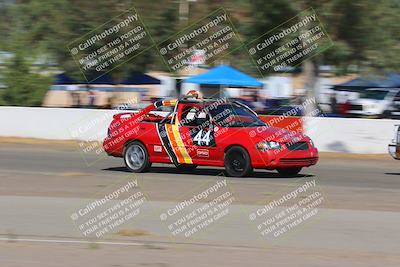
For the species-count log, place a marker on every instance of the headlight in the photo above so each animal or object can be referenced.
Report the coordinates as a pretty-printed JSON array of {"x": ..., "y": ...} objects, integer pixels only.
[
  {"x": 370, "y": 106},
  {"x": 264, "y": 145}
]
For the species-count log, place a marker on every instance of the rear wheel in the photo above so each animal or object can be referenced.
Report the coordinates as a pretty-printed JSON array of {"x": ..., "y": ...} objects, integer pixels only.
[
  {"x": 289, "y": 172},
  {"x": 136, "y": 157},
  {"x": 237, "y": 162}
]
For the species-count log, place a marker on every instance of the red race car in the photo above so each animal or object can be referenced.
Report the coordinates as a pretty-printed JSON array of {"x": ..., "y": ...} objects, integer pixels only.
[{"x": 206, "y": 132}]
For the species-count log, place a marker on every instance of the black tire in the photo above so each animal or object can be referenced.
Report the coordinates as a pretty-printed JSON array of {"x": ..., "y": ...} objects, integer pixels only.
[
  {"x": 237, "y": 162},
  {"x": 186, "y": 167},
  {"x": 387, "y": 114},
  {"x": 289, "y": 172},
  {"x": 136, "y": 157}
]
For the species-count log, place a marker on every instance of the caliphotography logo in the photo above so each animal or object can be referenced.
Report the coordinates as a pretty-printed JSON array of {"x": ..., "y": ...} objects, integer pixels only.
[{"x": 109, "y": 45}]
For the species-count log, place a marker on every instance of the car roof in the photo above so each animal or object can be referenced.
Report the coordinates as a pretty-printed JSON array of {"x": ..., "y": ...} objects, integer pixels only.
[
  {"x": 205, "y": 100},
  {"x": 382, "y": 89}
]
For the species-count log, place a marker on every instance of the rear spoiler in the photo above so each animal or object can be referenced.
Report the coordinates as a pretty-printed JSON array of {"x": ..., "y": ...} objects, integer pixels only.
[{"x": 119, "y": 115}]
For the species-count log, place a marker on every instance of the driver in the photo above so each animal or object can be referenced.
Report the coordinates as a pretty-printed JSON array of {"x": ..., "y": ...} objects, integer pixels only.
[{"x": 194, "y": 94}]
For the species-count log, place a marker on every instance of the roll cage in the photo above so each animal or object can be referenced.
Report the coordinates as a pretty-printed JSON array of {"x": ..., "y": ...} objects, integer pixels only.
[{"x": 207, "y": 102}]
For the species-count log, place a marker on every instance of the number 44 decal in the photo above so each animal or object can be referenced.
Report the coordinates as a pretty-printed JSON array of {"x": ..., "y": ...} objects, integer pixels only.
[{"x": 201, "y": 139}]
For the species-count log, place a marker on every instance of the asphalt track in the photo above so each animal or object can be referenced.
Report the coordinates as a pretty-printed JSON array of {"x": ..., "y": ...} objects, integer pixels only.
[{"x": 42, "y": 184}]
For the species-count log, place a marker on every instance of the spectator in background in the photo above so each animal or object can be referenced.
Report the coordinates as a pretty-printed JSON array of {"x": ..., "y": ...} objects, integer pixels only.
[
  {"x": 297, "y": 99},
  {"x": 110, "y": 102},
  {"x": 344, "y": 108},
  {"x": 91, "y": 96},
  {"x": 73, "y": 90},
  {"x": 333, "y": 102},
  {"x": 256, "y": 103}
]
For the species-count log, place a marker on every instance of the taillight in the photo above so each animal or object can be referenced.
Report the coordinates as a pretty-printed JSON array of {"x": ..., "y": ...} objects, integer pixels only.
[{"x": 113, "y": 128}]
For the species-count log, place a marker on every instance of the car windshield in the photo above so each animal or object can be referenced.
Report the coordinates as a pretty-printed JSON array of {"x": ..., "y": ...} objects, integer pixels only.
[
  {"x": 234, "y": 115},
  {"x": 374, "y": 94}
]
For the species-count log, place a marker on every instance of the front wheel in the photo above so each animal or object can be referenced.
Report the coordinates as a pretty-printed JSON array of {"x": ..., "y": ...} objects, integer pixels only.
[
  {"x": 136, "y": 157},
  {"x": 289, "y": 172},
  {"x": 237, "y": 162},
  {"x": 386, "y": 114}
]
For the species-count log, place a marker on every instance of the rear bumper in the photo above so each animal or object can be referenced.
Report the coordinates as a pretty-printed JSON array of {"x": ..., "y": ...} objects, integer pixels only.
[
  {"x": 394, "y": 151},
  {"x": 113, "y": 147},
  {"x": 363, "y": 113}
]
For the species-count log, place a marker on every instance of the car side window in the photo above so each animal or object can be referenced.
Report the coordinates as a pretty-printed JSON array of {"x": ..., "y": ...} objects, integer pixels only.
[
  {"x": 194, "y": 116},
  {"x": 397, "y": 97}
]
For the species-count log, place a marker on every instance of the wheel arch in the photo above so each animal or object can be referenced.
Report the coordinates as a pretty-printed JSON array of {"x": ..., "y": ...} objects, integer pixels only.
[
  {"x": 143, "y": 167},
  {"x": 232, "y": 145},
  {"x": 254, "y": 155},
  {"x": 247, "y": 168},
  {"x": 127, "y": 142}
]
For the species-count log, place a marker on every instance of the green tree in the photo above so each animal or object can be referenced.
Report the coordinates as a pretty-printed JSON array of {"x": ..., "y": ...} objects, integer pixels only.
[
  {"x": 48, "y": 26},
  {"x": 23, "y": 86}
]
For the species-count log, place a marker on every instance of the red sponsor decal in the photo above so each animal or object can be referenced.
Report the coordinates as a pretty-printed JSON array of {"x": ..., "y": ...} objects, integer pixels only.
[{"x": 203, "y": 153}]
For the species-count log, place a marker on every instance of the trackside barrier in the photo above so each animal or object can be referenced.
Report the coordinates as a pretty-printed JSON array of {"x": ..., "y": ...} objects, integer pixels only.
[
  {"x": 362, "y": 136},
  {"x": 328, "y": 134},
  {"x": 51, "y": 123}
]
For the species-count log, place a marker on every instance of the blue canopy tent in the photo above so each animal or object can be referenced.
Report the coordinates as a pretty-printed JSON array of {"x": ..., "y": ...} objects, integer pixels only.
[
  {"x": 63, "y": 79},
  {"x": 224, "y": 75},
  {"x": 359, "y": 84},
  {"x": 140, "y": 78},
  {"x": 215, "y": 80},
  {"x": 100, "y": 79}
]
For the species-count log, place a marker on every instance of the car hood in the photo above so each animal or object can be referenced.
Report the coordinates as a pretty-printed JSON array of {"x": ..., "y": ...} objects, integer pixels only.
[
  {"x": 276, "y": 134},
  {"x": 365, "y": 101}
]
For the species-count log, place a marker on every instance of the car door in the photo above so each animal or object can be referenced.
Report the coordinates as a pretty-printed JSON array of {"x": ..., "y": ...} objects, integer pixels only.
[{"x": 197, "y": 133}]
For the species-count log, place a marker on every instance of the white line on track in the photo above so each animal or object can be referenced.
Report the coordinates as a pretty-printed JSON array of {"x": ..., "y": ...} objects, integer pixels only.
[
  {"x": 10, "y": 239},
  {"x": 69, "y": 241}
]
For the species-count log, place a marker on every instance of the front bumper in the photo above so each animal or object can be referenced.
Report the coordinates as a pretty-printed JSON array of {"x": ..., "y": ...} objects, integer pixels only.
[
  {"x": 285, "y": 159},
  {"x": 305, "y": 162},
  {"x": 394, "y": 151},
  {"x": 364, "y": 113}
]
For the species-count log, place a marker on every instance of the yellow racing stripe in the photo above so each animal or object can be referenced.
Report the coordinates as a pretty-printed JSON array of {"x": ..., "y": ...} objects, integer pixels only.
[
  {"x": 173, "y": 143},
  {"x": 187, "y": 159}
]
